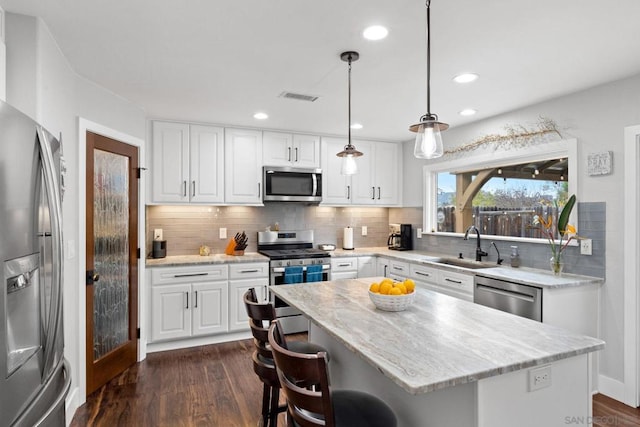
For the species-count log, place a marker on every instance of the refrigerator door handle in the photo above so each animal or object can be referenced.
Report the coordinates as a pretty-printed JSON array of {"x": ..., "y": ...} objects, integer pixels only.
[{"x": 55, "y": 209}]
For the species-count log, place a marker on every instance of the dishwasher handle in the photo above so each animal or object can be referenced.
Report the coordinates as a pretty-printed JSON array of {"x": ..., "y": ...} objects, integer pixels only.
[{"x": 510, "y": 294}]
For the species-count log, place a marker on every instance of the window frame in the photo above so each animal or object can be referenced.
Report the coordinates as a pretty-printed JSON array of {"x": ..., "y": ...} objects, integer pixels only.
[{"x": 564, "y": 148}]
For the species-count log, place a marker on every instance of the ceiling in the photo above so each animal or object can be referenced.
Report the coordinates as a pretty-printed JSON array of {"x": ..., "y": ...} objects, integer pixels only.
[{"x": 221, "y": 61}]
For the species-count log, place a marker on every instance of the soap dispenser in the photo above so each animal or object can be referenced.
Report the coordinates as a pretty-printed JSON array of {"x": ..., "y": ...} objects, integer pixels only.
[{"x": 515, "y": 257}]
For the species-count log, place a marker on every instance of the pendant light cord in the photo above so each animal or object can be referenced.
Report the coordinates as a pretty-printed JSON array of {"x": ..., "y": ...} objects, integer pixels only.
[
  {"x": 428, "y": 58},
  {"x": 349, "y": 101}
]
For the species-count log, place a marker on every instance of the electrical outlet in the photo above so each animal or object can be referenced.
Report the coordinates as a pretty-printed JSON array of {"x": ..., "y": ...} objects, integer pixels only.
[
  {"x": 586, "y": 247},
  {"x": 539, "y": 378},
  {"x": 364, "y": 230},
  {"x": 157, "y": 234},
  {"x": 419, "y": 233},
  {"x": 223, "y": 233}
]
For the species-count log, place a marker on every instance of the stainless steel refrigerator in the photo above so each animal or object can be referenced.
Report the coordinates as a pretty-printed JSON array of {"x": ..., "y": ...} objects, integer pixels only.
[{"x": 34, "y": 376}]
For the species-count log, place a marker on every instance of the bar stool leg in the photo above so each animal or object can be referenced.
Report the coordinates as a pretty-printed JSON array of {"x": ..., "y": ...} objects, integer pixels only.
[
  {"x": 266, "y": 395},
  {"x": 275, "y": 397}
]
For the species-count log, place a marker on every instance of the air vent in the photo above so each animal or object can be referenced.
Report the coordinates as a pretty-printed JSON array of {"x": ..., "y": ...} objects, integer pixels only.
[{"x": 298, "y": 96}]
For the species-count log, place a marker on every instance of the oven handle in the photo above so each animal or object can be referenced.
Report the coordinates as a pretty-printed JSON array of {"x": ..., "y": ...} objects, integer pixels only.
[{"x": 304, "y": 268}]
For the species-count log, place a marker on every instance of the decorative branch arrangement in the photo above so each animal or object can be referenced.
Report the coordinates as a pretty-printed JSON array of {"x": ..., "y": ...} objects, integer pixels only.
[{"x": 516, "y": 135}]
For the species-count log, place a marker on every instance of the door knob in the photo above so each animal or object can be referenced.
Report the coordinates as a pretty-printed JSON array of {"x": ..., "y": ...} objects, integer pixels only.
[{"x": 92, "y": 277}]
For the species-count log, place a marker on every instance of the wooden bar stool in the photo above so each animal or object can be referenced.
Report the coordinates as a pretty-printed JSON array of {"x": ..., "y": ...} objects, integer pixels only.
[
  {"x": 260, "y": 316},
  {"x": 319, "y": 405}
]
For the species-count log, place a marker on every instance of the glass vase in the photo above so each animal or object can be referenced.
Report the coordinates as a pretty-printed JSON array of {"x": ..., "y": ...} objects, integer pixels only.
[{"x": 557, "y": 264}]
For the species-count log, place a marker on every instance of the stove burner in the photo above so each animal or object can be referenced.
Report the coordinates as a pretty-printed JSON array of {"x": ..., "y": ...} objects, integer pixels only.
[{"x": 294, "y": 253}]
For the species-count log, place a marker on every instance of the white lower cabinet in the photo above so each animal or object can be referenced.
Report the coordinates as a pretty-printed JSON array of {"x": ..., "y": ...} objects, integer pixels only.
[
  {"x": 398, "y": 270},
  {"x": 189, "y": 302},
  {"x": 353, "y": 267},
  {"x": 241, "y": 278},
  {"x": 457, "y": 285},
  {"x": 366, "y": 266},
  {"x": 382, "y": 267}
]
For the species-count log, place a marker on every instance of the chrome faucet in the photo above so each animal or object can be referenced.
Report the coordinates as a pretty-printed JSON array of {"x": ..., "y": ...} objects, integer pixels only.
[{"x": 479, "y": 252}]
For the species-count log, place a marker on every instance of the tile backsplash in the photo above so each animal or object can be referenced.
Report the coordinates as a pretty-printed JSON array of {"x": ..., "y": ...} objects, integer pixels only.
[{"x": 186, "y": 228}]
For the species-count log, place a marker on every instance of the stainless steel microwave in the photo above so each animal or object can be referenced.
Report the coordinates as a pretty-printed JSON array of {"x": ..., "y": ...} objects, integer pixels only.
[{"x": 286, "y": 184}]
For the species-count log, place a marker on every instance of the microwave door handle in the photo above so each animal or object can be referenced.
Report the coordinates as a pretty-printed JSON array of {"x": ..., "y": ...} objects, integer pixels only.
[{"x": 314, "y": 179}]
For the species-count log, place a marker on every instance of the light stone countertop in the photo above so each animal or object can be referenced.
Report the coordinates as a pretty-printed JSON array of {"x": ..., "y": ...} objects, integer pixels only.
[
  {"x": 187, "y": 260},
  {"x": 522, "y": 275},
  {"x": 438, "y": 342}
]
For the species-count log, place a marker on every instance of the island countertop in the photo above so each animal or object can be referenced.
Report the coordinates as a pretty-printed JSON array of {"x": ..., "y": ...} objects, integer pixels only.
[{"x": 438, "y": 342}]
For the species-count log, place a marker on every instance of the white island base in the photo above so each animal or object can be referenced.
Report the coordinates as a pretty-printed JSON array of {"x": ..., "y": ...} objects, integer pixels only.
[{"x": 496, "y": 401}]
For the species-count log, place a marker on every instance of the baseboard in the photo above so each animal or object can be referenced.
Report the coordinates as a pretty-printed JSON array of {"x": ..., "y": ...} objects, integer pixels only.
[
  {"x": 611, "y": 388},
  {"x": 72, "y": 404},
  {"x": 194, "y": 342}
]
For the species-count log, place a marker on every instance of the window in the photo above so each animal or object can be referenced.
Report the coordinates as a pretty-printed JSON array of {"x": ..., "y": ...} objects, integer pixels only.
[{"x": 500, "y": 193}]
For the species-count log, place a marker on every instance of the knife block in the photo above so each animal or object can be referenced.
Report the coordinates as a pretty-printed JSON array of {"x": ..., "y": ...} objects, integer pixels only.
[{"x": 231, "y": 246}]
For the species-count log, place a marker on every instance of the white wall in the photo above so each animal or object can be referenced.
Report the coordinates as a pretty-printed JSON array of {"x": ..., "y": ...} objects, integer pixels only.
[
  {"x": 597, "y": 118},
  {"x": 41, "y": 83}
]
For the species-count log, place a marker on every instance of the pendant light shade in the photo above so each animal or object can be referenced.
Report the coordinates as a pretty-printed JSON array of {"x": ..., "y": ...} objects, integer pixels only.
[
  {"x": 349, "y": 165},
  {"x": 428, "y": 143}
]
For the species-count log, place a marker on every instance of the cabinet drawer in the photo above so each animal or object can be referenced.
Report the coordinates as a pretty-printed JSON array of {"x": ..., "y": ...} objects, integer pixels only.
[
  {"x": 458, "y": 281},
  {"x": 399, "y": 268},
  {"x": 423, "y": 274},
  {"x": 249, "y": 270},
  {"x": 191, "y": 274},
  {"x": 344, "y": 264}
]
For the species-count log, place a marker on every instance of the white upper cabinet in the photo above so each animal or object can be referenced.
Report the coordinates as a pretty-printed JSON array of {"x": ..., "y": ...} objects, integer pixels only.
[
  {"x": 187, "y": 163},
  {"x": 378, "y": 177},
  {"x": 336, "y": 188},
  {"x": 295, "y": 150},
  {"x": 375, "y": 183},
  {"x": 243, "y": 166}
]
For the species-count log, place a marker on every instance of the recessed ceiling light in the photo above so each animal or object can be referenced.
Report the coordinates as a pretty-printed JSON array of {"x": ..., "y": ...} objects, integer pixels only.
[
  {"x": 468, "y": 112},
  {"x": 261, "y": 116},
  {"x": 375, "y": 32},
  {"x": 465, "y": 78},
  {"x": 356, "y": 126}
]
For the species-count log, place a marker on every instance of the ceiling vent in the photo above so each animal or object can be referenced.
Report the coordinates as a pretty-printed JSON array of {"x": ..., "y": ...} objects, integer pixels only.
[{"x": 298, "y": 96}]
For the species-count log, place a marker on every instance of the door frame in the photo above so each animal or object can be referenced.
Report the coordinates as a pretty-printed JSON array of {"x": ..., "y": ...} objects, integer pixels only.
[
  {"x": 85, "y": 125},
  {"x": 631, "y": 269}
]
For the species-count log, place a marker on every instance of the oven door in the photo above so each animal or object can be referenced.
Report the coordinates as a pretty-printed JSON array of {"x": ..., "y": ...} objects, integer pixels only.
[
  {"x": 282, "y": 184},
  {"x": 277, "y": 278}
]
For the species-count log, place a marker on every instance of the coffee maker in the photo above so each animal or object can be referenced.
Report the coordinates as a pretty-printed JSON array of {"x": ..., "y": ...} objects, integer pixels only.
[{"x": 400, "y": 237}]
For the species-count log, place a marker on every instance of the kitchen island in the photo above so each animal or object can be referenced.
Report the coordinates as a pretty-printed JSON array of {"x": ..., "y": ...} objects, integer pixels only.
[{"x": 448, "y": 362}]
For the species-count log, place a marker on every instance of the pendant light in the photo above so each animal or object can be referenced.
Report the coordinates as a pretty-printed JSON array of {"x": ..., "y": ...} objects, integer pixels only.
[
  {"x": 428, "y": 139},
  {"x": 349, "y": 154}
]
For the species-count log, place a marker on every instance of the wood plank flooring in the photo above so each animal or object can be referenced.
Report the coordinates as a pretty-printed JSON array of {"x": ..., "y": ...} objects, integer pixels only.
[{"x": 215, "y": 386}]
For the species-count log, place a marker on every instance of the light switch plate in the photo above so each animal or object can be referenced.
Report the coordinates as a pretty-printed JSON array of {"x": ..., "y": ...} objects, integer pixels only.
[
  {"x": 223, "y": 233},
  {"x": 157, "y": 234},
  {"x": 364, "y": 230},
  {"x": 419, "y": 233}
]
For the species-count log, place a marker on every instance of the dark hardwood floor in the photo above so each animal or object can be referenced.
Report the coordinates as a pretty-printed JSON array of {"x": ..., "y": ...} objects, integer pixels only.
[{"x": 215, "y": 386}]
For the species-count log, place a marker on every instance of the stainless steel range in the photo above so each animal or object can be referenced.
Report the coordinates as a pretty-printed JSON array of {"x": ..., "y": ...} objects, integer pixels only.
[{"x": 293, "y": 259}]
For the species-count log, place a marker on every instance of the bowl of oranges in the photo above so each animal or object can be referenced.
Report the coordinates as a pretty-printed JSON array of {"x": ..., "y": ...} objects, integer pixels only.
[{"x": 390, "y": 295}]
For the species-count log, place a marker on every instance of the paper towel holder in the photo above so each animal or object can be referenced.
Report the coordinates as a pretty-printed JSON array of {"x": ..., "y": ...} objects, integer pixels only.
[{"x": 347, "y": 239}]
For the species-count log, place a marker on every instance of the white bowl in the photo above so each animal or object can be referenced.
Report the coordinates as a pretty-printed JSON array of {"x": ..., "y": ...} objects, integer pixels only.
[{"x": 392, "y": 302}]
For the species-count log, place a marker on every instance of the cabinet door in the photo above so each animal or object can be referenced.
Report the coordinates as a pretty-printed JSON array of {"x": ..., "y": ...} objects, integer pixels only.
[
  {"x": 305, "y": 151},
  {"x": 366, "y": 266},
  {"x": 170, "y": 312},
  {"x": 399, "y": 269},
  {"x": 210, "y": 308},
  {"x": 277, "y": 149},
  {"x": 424, "y": 274},
  {"x": 238, "y": 319},
  {"x": 243, "y": 166},
  {"x": 170, "y": 168},
  {"x": 206, "y": 166},
  {"x": 336, "y": 188},
  {"x": 386, "y": 173},
  {"x": 382, "y": 267},
  {"x": 364, "y": 183},
  {"x": 344, "y": 264}
]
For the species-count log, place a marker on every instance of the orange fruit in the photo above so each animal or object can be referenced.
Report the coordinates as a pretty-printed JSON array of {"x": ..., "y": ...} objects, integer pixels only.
[
  {"x": 401, "y": 287},
  {"x": 375, "y": 287},
  {"x": 395, "y": 291},
  {"x": 410, "y": 285},
  {"x": 385, "y": 287}
]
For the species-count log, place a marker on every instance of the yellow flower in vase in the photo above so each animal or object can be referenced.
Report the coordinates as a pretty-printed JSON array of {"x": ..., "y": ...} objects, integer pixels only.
[{"x": 562, "y": 228}]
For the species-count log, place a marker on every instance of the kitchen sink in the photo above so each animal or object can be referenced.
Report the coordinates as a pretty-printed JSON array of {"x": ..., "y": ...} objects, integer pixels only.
[{"x": 465, "y": 263}]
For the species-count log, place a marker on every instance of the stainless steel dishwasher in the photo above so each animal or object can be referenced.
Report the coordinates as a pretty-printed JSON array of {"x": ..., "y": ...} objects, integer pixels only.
[{"x": 514, "y": 298}]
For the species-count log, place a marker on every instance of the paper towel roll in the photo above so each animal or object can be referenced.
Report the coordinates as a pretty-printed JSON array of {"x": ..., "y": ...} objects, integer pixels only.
[{"x": 347, "y": 240}]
